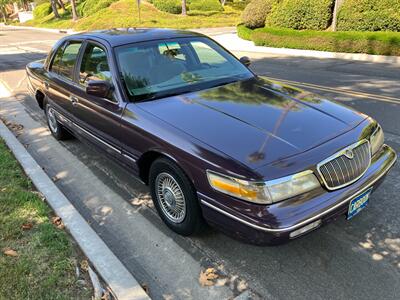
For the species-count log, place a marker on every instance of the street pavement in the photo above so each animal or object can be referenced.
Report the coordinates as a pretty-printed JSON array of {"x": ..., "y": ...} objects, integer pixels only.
[{"x": 357, "y": 259}]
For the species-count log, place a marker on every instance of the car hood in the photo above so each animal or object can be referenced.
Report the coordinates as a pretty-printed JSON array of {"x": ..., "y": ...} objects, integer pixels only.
[{"x": 256, "y": 121}]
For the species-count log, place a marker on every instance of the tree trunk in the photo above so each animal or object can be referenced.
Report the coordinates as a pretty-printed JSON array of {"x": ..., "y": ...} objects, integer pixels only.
[
  {"x": 335, "y": 13},
  {"x": 62, "y": 4},
  {"x": 138, "y": 7},
  {"x": 54, "y": 8},
  {"x": 74, "y": 13},
  {"x": 184, "y": 8},
  {"x": 3, "y": 13}
]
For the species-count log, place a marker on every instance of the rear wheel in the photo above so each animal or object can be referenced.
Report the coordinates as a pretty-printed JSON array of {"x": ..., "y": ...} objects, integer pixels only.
[
  {"x": 56, "y": 129},
  {"x": 175, "y": 198}
]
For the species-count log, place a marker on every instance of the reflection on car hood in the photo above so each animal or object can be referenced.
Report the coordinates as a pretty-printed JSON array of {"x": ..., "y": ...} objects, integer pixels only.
[{"x": 256, "y": 121}]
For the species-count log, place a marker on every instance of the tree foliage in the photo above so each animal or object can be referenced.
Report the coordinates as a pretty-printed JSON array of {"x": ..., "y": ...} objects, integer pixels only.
[{"x": 42, "y": 10}]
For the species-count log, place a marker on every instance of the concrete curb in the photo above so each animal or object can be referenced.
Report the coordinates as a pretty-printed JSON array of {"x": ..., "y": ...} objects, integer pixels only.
[
  {"x": 119, "y": 279},
  {"x": 66, "y": 31}
]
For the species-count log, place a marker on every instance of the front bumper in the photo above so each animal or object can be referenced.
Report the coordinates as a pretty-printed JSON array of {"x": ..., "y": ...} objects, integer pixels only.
[{"x": 290, "y": 215}]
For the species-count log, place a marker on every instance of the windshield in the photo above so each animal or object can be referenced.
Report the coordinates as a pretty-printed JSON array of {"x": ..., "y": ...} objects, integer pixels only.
[{"x": 158, "y": 69}]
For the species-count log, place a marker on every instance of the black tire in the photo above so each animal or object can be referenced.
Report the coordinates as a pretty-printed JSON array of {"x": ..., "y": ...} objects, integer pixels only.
[
  {"x": 192, "y": 221},
  {"x": 56, "y": 129}
]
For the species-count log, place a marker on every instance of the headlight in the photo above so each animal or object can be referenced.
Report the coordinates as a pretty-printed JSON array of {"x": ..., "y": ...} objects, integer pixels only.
[
  {"x": 376, "y": 140},
  {"x": 264, "y": 192}
]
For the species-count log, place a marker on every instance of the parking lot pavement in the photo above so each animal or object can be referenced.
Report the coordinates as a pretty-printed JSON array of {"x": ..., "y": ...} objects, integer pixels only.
[{"x": 359, "y": 259}]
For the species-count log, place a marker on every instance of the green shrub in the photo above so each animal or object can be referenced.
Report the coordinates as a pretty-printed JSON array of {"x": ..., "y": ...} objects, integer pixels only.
[
  {"x": 90, "y": 7},
  {"x": 369, "y": 15},
  {"x": 244, "y": 32},
  {"x": 383, "y": 43},
  {"x": 169, "y": 6},
  {"x": 301, "y": 14},
  {"x": 205, "y": 5},
  {"x": 256, "y": 12},
  {"x": 42, "y": 11}
]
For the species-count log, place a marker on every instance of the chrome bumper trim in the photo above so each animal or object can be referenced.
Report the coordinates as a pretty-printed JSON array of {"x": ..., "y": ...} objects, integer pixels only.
[{"x": 304, "y": 222}]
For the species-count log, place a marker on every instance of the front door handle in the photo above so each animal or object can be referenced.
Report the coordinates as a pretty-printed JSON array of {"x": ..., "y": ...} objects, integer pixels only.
[
  {"x": 46, "y": 85},
  {"x": 74, "y": 100}
]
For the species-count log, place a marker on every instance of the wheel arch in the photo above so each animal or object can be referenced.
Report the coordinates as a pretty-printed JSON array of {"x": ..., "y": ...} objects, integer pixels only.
[
  {"x": 146, "y": 160},
  {"x": 40, "y": 98}
]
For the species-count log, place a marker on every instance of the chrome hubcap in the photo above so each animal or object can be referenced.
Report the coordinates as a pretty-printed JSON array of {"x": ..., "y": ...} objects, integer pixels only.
[
  {"x": 51, "y": 116},
  {"x": 170, "y": 197}
]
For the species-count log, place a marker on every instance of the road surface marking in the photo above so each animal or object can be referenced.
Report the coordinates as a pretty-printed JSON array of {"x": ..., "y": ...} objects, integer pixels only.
[{"x": 340, "y": 91}]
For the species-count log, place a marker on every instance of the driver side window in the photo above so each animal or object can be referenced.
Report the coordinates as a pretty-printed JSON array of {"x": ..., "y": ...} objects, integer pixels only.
[{"x": 94, "y": 65}]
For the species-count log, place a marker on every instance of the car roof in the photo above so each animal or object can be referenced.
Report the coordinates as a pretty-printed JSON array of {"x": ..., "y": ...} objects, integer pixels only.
[{"x": 122, "y": 36}]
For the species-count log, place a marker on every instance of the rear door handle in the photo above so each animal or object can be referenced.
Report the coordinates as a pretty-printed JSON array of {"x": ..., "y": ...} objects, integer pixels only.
[{"x": 74, "y": 100}]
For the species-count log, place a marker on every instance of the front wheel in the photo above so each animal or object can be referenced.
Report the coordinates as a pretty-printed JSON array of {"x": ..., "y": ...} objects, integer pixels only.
[{"x": 175, "y": 198}]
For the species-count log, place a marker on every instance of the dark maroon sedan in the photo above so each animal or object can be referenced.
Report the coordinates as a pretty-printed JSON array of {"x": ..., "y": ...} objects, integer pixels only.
[{"x": 255, "y": 158}]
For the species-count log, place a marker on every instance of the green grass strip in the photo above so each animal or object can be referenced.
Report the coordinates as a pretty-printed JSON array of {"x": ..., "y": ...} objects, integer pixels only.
[{"x": 44, "y": 267}]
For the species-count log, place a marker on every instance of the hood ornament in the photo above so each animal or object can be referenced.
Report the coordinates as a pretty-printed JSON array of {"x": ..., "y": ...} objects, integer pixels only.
[{"x": 349, "y": 154}]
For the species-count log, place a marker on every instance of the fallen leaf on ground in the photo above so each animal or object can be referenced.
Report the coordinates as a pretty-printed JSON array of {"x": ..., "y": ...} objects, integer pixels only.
[
  {"x": 55, "y": 178},
  {"x": 4, "y": 189},
  {"x": 40, "y": 195},
  {"x": 10, "y": 252},
  {"x": 58, "y": 222},
  {"x": 84, "y": 265},
  {"x": 142, "y": 200},
  {"x": 206, "y": 277},
  {"x": 14, "y": 126},
  {"x": 145, "y": 287},
  {"x": 242, "y": 285},
  {"x": 27, "y": 226}
]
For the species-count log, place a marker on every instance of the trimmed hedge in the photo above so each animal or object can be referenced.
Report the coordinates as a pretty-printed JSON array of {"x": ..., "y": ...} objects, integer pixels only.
[
  {"x": 301, "y": 14},
  {"x": 369, "y": 15},
  {"x": 169, "y": 6},
  {"x": 256, "y": 12},
  {"x": 205, "y": 5},
  {"x": 42, "y": 11},
  {"x": 90, "y": 7},
  {"x": 382, "y": 43}
]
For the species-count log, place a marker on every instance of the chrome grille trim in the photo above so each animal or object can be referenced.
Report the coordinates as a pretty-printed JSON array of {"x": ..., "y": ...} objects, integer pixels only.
[{"x": 338, "y": 170}]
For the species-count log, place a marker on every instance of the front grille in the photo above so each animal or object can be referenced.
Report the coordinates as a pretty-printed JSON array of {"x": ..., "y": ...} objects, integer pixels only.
[{"x": 343, "y": 168}]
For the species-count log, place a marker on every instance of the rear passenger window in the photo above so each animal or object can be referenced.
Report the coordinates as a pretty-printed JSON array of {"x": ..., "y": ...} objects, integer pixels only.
[
  {"x": 65, "y": 59},
  {"x": 55, "y": 66}
]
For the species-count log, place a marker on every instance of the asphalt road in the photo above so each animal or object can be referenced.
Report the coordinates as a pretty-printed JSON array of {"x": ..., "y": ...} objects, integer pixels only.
[{"x": 357, "y": 259}]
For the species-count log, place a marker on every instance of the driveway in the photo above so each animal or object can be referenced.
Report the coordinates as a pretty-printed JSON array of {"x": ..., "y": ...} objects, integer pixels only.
[{"x": 357, "y": 259}]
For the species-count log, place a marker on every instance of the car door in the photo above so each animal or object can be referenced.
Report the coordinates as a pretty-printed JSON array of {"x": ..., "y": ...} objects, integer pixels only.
[
  {"x": 98, "y": 119},
  {"x": 60, "y": 84}
]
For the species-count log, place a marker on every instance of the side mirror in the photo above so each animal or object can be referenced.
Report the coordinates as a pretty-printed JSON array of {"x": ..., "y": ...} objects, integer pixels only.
[
  {"x": 99, "y": 88},
  {"x": 245, "y": 60}
]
